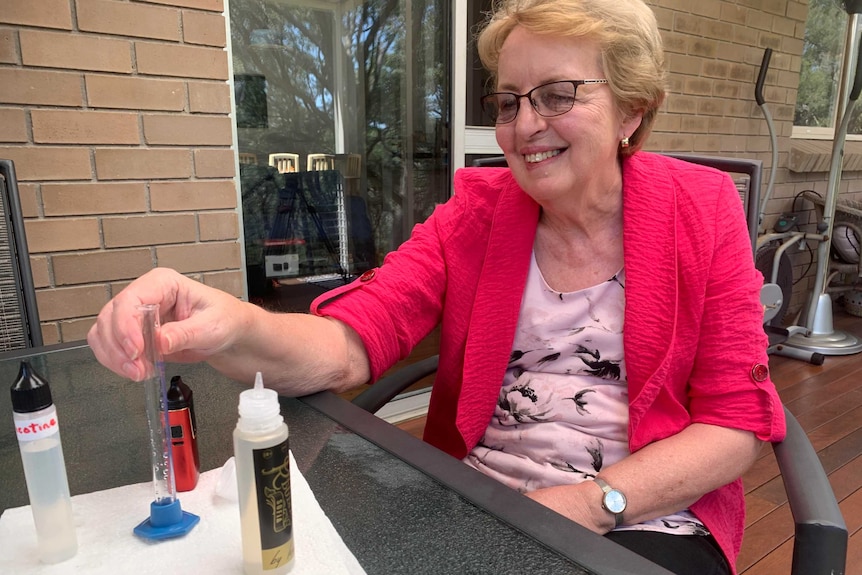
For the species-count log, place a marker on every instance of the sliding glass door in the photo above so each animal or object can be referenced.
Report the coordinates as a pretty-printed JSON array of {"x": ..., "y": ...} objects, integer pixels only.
[{"x": 343, "y": 132}]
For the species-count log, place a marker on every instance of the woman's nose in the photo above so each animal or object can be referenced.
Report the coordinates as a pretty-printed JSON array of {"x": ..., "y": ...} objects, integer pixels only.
[{"x": 528, "y": 119}]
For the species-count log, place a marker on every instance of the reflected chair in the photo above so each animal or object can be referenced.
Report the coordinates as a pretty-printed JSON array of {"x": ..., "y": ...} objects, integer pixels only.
[
  {"x": 320, "y": 162},
  {"x": 350, "y": 166},
  {"x": 285, "y": 163},
  {"x": 820, "y": 536},
  {"x": 248, "y": 158},
  {"x": 19, "y": 315}
]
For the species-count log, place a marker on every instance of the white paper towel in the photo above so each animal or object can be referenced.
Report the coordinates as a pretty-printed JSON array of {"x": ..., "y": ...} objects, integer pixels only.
[{"x": 104, "y": 521}]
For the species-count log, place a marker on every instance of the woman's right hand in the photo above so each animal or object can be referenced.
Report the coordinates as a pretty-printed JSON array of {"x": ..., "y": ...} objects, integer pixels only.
[{"x": 197, "y": 322}]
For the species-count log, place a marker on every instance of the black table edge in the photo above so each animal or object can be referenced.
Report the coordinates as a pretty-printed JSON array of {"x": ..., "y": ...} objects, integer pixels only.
[
  {"x": 31, "y": 351},
  {"x": 602, "y": 556}
]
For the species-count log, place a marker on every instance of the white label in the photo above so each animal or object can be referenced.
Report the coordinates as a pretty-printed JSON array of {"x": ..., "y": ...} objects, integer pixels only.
[{"x": 38, "y": 428}]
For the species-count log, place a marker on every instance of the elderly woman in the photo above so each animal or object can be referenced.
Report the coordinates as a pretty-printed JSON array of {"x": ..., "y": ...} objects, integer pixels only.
[{"x": 602, "y": 348}]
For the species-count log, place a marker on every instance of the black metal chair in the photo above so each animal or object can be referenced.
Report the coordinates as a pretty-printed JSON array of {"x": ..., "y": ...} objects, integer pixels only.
[
  {"x": 19, "y": 315},
  {"x": 820, "y": 540}
]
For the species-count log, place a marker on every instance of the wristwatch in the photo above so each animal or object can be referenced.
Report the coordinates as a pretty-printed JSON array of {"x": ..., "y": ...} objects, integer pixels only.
[{"x": 613, "y": 501}]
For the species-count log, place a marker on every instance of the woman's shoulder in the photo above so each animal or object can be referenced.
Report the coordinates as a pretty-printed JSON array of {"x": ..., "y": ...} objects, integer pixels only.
[
  {"x": 678, "y": 176},
  {"x": 484, "y": 182},
  {"x": 676, "y": 165}
]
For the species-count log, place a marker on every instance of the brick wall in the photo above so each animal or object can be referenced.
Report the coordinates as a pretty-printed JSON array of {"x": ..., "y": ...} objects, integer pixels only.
[{"x": 116, "y": 114}]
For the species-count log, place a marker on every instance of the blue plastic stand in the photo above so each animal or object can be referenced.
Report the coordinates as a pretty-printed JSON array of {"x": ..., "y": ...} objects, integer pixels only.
[{"x": 166, "y": 520}]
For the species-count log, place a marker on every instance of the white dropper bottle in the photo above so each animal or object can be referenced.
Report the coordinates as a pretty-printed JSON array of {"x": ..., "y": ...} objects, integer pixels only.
[
  {"x": 260, "y": 443},
  {"x": 38, "y": 431}
]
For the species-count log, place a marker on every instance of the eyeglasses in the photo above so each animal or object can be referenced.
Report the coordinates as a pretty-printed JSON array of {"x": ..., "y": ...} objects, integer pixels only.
[{"x": 549, "y": 100}]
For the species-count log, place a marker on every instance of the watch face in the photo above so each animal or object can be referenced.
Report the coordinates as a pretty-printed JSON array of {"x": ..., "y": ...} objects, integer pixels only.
[{"x": 615, "y": 501}]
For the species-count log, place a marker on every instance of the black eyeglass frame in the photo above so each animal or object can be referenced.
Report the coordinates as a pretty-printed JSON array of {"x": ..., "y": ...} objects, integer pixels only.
[{"x": 575, "y": 83}]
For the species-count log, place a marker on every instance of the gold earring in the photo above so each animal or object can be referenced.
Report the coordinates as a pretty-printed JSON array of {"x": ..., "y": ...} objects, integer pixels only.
[{"x": 624, "y": 143}]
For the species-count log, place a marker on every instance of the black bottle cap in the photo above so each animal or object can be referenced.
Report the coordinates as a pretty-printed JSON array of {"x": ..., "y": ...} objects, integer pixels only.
[
  {"x": 30, "y": 392},
  {"x": 179, "y": 394}
]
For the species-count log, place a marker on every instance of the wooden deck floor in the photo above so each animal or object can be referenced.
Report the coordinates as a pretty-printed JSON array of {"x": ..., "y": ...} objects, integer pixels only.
[{"x": 827, "y": 401}]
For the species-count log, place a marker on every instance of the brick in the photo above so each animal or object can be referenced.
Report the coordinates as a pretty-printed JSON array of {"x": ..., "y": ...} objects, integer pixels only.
[
  {"x": 682, "y": 105},
  {"x": 128, "y": 19},
  {"x": 714, "y": 69},
  {"x": 39, "y": 271},
  {"x": 200, "y": 257},
  {"x": 61, "y": 234},
  {"x": 733, "y": 13},
  {"x": 42, "y": 13},
  {"x": 717, "y": 29},
  {"x": 674, "y": 42},
  {"x": 211, "y": 5},
  {"x": 107, "y": 265},
  {"x": 64, "y": 303},
  {"x": 164, "y": 129},
  {"x": 84, "y": 127},
  {"x": 35, "y": 87},
  {"x": 28, "y": 200},
  {"x": 182, "y": 61},
  {"x": 13, "y": 125},
  {"x": 142, "y": 164},
  {"x": 232, "y": 282},
  {"x": 728, "y": 89},
  {"x": 703, "y": 47},
  {"x": 688, "y": 24},
  {"x": 797, "y": 11},
  {"x": 93, "y": 198},
  {"x": 218, "y": 226},
  {"x": 209, "y": 97},
  {"x": 694, "y": 125},
  {"x": 50, "y": 333},
  {"x": 186, "y": 196},
  {"x": 149, "y": 230},
  {"x": 117, "y": 287},
  {"x": 684, "y": 65},
  {"x": 204, "y": 28},
  {"x": 71, "y": 51},
  {"x": 49, "y": 163},
  {"x": 8, "y": 46},
  {"x": 698, "y": 86},
  {"x": 134, "y": 93},
  {"x": 215, "y": 163},
  {"x": 76, "y": 329}
]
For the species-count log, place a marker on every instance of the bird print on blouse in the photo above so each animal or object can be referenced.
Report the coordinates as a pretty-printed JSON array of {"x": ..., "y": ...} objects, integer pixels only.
[{"x": 562, "y": 411}]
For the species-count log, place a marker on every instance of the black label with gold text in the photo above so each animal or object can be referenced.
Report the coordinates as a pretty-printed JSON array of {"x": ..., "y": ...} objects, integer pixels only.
[{"x": 272, "y": 482}]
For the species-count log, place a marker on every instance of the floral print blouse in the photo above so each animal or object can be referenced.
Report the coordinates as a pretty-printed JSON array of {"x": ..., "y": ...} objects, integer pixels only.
[{"x": 562, "y": 412}]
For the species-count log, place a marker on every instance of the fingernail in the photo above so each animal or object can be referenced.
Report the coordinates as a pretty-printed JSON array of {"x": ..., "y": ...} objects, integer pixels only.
[
  {"x": 169, "y": 345},
  {"x": 131, "y": 350},
  {"x": 131, "y": 371}
]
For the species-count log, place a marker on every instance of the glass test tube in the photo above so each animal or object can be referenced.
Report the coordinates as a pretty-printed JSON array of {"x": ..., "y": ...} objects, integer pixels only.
[{"x": 156, "y": 392}]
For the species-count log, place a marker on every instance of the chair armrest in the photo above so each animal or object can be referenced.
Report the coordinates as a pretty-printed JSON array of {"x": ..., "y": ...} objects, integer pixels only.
[
  {"x": 385, "y": 388},
  {"x": 820, "y": 545}
]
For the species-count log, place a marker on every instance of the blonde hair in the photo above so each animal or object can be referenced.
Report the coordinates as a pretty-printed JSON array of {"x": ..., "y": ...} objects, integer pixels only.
[{"x": 627, "y": 34}]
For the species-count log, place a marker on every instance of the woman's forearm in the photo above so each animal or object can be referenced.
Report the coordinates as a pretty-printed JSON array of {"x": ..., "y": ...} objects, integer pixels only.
[
  {"x": 297, "y": 353},
  {"x": 662, "y": 478}
]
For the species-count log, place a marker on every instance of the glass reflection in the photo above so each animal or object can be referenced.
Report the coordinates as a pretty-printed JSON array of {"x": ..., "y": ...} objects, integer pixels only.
[{"x": 343, "y": 131}]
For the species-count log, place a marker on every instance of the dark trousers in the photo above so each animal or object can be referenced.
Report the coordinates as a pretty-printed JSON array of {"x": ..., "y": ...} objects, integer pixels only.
[{"x": 680, "y": 554}]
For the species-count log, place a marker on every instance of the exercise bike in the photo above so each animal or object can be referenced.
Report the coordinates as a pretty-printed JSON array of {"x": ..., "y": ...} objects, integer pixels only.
[{"x": 815, "y": 338}]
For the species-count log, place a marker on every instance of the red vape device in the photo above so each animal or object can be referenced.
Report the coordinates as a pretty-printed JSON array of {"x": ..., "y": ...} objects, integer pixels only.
[{"x": 184, "y": 444}]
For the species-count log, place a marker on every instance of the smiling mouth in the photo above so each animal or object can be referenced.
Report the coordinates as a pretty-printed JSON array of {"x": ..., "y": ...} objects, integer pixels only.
[{"x": 534, "y": 158}]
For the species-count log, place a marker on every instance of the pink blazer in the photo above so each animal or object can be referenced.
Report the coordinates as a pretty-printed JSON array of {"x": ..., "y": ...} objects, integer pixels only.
[{"x": 693, "y": 326}]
